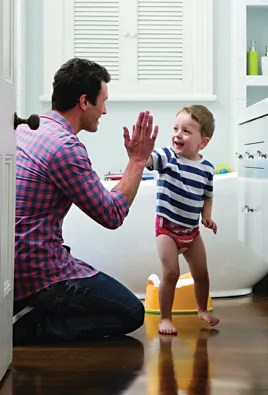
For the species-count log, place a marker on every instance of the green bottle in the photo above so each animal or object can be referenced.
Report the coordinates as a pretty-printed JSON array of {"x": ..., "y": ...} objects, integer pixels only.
[{"x": 252, "y": 60}]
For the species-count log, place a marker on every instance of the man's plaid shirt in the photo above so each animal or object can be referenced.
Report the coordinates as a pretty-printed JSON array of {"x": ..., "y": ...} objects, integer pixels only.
[{"x": 54, "y": 171}]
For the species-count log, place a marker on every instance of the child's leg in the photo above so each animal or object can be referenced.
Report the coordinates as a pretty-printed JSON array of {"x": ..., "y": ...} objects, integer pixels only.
[
  {"x": 197, "y": 261},
  {"x": 168, "y": 253}
]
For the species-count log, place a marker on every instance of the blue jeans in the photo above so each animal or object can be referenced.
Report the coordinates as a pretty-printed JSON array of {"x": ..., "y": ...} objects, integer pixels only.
[{"x": 79, "y": 309}]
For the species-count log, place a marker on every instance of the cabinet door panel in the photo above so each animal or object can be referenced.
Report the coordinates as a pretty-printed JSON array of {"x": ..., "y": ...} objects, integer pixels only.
[{"x": 253, "y": 215}]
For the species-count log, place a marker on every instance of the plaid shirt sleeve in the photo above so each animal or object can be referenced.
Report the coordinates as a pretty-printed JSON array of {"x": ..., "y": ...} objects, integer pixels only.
[{"x": 71, "y": 171}]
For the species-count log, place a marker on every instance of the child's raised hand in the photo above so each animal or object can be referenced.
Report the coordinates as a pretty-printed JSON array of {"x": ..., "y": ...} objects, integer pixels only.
[{"x": 209, "y": 223}]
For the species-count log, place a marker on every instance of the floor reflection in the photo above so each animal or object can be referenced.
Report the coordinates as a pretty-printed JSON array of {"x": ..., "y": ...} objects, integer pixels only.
[
  {"x": 6, "y": 384},
  {"x": 196, "y": 362},
  {"x": 179, "y": 364},
  {"x": 103, "y": 367}
]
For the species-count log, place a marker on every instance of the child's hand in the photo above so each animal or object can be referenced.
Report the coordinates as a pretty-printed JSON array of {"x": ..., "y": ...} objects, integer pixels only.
[{"x": 209, "y": 223}]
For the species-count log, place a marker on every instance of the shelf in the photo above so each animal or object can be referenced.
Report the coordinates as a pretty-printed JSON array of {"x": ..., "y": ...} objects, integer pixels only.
[
  {"x": 257, "y": 80},
  {"x": 256, "y": 3},
  {"x": 46, "y": 98}
]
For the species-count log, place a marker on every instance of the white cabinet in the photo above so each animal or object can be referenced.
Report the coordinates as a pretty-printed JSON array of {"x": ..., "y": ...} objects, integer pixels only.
[
  {"x": 150, "y": 47},
  {"x": 253, "y": 178},
  {"x": 251, "y": 115}
]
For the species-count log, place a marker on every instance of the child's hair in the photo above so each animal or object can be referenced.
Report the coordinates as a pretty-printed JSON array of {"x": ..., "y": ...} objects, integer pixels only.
[{"x": 203, "y": 116}]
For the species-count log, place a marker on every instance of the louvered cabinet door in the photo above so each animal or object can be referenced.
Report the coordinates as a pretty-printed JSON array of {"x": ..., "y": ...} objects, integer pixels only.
[
  {"x": 146, "y": 35},
  {"x": 153, "y": 49},
  {"x": 97, "y": 32},
  {"x": 140, "y": 42}
]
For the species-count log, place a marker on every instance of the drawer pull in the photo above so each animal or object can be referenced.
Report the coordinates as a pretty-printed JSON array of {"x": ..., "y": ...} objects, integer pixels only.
[
  {"x": 247, "y": 209},
  {"x": 261, "y": 155},
  {"x": 239, "y": 156}
]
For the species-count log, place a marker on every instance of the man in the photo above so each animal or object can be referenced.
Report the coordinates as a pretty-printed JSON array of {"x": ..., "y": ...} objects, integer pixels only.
[{"x": 71, "y": 299}]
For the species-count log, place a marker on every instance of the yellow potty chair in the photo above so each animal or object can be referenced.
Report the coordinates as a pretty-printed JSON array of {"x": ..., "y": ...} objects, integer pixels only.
[{"x": 184, "y": 299}]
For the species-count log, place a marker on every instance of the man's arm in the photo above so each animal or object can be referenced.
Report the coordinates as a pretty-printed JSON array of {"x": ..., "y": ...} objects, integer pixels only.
[{"x": 139, "y": 147}]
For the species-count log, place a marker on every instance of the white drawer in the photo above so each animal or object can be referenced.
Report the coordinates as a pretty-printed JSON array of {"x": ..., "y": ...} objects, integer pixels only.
[{"x": 252, "y": 152}]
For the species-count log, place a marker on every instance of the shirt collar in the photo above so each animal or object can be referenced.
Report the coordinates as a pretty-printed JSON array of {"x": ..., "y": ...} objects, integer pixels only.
[{"x": 58, "y": 118}]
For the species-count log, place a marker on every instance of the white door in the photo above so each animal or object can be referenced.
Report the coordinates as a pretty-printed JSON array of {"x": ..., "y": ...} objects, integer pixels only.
[{"x": 7, "y": 178}]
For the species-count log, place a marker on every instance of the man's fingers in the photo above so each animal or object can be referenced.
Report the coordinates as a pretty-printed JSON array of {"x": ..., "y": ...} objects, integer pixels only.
[
  {"x": 155, "y": 133},
  {"x": 126, "y": 135},
  {"x": 139, "y": 122},
  {"x": 144, "y": 126},
  {"x": 145, "y": 123}
]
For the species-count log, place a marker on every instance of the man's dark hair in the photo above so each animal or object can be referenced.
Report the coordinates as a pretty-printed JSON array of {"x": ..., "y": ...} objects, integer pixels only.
[{"x": 75, "y": 78}]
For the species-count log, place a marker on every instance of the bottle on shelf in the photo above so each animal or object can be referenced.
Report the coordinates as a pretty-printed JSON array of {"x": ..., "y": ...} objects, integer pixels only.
[
  {"x": 264, "y": 62},
  {"x": 252, "y": 59}
]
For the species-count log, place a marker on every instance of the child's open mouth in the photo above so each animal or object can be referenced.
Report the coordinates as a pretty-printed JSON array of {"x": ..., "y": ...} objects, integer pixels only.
[{"x": 178, "y": 144}]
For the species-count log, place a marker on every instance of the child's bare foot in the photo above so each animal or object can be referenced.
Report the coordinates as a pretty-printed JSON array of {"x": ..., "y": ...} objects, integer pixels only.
[
  {"x": 208, "y": 317},
  {"x": 165, "y": 339},
  {"x": 166, "y": 327},
  {"x": 205, "y": 333}
]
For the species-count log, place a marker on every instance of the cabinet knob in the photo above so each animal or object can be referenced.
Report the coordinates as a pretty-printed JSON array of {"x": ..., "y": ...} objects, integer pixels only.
[
  {"x": 33, "y": 121},
  {"x": 238, "y": 155},
  {"x": 248, "y": 209},
  {"x": 261, "y": 155},
  {"x": 250, "y": 156}
]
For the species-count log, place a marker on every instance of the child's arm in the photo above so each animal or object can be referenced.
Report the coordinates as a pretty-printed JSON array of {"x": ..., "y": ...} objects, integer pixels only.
[
  {"x": 206, "y": 214},
  {"x": 149, "y": 163}
]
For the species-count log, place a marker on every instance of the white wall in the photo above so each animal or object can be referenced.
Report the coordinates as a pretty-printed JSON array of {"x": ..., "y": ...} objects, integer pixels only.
[{"x": 106, "y": 147}]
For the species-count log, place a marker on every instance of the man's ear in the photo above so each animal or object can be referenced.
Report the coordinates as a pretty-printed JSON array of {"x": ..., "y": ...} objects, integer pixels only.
[
  {"x": 83, "y": 102},
  {"x": 204, "y": 142}
]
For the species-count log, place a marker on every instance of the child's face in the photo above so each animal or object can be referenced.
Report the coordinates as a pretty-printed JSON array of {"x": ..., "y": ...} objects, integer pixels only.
[{"x": 186, "y": 137}]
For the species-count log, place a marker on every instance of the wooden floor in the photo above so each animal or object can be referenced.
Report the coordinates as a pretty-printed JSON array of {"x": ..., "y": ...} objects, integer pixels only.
[{"x": 230, "y": 361}]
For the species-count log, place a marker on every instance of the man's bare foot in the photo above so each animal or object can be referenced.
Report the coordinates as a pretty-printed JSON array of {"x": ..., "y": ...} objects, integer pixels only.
[
  {"x": 166, "y": 327},
  {"x": 208, "y": 317}
]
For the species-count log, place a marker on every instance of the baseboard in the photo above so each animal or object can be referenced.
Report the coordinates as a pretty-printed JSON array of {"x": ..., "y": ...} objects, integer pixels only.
[{"x": 261, "y": 287}]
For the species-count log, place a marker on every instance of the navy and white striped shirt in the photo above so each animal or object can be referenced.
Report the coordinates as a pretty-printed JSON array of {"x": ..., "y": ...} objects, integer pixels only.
[{"x": 182, "y": 185}]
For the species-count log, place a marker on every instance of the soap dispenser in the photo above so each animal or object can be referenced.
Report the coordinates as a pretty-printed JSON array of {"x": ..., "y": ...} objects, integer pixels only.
[
  {"x": 252, "y": 60},
  {"x": 264, "y": 62}
]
